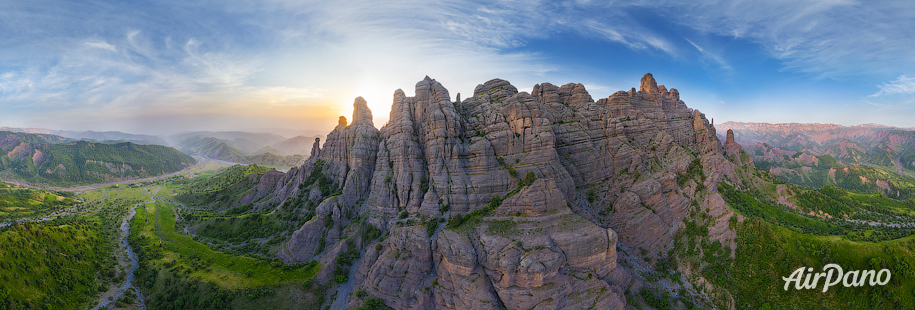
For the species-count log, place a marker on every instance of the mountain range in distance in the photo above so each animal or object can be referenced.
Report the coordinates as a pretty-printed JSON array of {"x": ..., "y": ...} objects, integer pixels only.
[
  {"x": 863, "y": 144},
  {"x": 869, "y": 158},
  {"x": 232, "y": 146},
  {"x": 45, "y": 159}
]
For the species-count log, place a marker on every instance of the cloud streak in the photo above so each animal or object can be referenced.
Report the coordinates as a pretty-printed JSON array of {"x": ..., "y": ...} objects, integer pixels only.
[
  {"x": 178, "y": 58},
  {"x": 901, "y": 85},
  {"x": 827, "y": 38}
]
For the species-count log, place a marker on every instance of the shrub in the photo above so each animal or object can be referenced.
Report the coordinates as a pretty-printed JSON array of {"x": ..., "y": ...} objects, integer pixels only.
[
  {"x": 431, "y": 225},
  {"x": 456, "y": 221}
]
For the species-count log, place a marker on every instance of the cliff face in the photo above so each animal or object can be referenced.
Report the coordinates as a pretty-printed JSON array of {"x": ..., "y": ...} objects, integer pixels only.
[{"x": 549, "y": 185}]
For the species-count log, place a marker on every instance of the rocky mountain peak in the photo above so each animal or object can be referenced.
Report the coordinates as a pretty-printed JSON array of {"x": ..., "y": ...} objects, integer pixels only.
[
  {"x": 316, "y": 148},
  {"x": 548, "y": 181},
  {"x": 729, "y": 138},
  {"x": 570, "y": 93},
  {"x": 341, "y": 122},
  {"x": 361, "y": 112},
  {"x": 496, "y": 89},
  {"x": 649, "y": 87}
]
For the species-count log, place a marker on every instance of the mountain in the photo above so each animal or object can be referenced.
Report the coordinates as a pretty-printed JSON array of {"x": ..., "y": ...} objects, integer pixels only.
[
  {"x": 33, "y": 159},
  {"x": 510, "y": 199},
  {"x": 13, "y": 139},
  {"x": 300, "y": 145},
  {"x": 220, "y": 149},
  {"x": 804, "y": 169},
  {"x": 212, "y": 148},
  {"x": 867, "y": 158},
  {"x": 246, "y": 142},
  {"x": 871, "y": 143},
  {"x": 97, "y": 136}
]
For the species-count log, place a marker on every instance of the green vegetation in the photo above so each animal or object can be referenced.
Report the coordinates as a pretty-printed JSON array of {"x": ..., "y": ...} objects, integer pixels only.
[
  {"x": 54, "y": 264},
  {"x": 812, "y": 202},
  {"x": 857, "y": 178},
  {"x": 457, "y": 221},
  {"x": 154, "y": 225},
  {"x": 85, "y": 162},
  {"x": 221, "y": 190},
  {"x": 17, "y": 202},
  {"x": 240, "y": 231},
  {"x": 177, "y": 272},
  {"x": 756, "y": 280},
  {"x": 327, "y": 186},
  {"x": 372, "y": 303},
  {"x": 838, "y": 202},
  {"x": 344, "y": 261},
  {"x": 694, "y": 170},
  {"x": 790, "y": 240}
]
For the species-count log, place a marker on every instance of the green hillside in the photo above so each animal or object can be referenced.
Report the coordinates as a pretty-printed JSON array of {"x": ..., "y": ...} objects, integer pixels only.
[
  {"x": 221, "y": 190},
  {"x": 213, "y": 148},
  {"x": 83, "y": 162},
  {"x": 53, "y": 265},
  {"x": 17, "y": 202},
  {"x": 13, "y": 137},
  {"x": 223, "y": 150}
]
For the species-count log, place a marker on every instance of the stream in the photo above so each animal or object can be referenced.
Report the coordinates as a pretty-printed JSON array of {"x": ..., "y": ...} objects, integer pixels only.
[{"x": 109, "y": 297}]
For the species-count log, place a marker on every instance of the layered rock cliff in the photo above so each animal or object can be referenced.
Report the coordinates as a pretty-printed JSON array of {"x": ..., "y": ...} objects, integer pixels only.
[{"x": 507, "y": 199}]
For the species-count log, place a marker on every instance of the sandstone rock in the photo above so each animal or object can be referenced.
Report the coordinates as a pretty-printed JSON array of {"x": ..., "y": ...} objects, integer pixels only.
[
  {"x": 316, "y": 148},
  {"x": 607, "y": 175},
  {"x": 648, "y": 87},
  {"x": 361, "y": 112}
]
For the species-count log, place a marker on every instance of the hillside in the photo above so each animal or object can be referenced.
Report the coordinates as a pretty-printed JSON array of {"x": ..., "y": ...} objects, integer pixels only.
[
  {"x": 12, "y": 139},
  {"x": 246, "y": 142},
  {"x": 866, "y": 159},
  {"x": 214, "y": 148},
  {"x": 872, "y": 144},
  {"x": 95, "y": 136},
  {"x": 17, "y": 202},
  {"x": 83, "y": 162}
]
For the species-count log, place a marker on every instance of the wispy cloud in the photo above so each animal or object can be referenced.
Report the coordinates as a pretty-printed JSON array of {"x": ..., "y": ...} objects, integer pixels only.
[
  {"x": 712, "y": 56},
  {"x": 101, "y": 44},
  {"x": 826, "y": 38},
  {"x": 89, "y": 56},
  {"x": 901, "y": 85}
]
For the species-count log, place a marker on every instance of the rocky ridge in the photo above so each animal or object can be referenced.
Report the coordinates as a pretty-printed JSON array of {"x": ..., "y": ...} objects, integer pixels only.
[{"x": 539, "y": 190}]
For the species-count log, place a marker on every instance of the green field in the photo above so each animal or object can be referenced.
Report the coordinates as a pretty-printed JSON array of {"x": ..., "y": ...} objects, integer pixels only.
[
  {"x": 58, "y": 264},
  {"x": 17, "y": 202},
  {"x": 178, "y": 272},
  {"x": 154, "y": 225}
]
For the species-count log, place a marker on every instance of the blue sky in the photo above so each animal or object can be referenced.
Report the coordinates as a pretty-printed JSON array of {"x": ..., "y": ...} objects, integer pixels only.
[{"x": 168, "y": 66}]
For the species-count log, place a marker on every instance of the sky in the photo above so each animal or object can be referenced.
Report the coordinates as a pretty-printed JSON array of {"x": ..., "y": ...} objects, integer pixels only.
[{"x": 163, "y": 67}]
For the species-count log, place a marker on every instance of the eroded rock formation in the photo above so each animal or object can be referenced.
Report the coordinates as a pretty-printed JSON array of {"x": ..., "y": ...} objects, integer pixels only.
[{"x": 549, "y": 184}]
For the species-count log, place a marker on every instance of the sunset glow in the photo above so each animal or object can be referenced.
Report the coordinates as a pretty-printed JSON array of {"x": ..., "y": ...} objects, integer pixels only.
[{"x": 167, "y": 67}]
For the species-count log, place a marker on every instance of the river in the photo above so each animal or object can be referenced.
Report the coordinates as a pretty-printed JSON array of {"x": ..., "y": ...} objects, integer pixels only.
[{"x": 113, "y": 295}]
